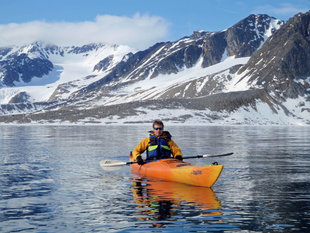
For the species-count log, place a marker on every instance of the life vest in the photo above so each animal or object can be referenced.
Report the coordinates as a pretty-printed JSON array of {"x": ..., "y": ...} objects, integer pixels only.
[{"x": 158, "y": 147}]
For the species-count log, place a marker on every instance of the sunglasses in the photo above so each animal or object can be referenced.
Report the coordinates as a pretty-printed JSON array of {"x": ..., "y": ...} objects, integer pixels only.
[{"x": 158, "y": 128}]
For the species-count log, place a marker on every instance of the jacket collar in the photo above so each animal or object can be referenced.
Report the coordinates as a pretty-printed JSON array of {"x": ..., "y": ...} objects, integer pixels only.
[{"x": 166, "y": 135}]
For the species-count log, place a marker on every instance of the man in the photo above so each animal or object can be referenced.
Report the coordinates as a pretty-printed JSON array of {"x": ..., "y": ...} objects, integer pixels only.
[{"x": 158, "y": 145}]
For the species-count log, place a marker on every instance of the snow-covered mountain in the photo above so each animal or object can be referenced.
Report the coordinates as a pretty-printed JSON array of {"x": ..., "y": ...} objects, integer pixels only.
[
  {"x": 183, "y": 68},
  {"x": 203, "y": 78},
  {"x": 38, "y": 69}
]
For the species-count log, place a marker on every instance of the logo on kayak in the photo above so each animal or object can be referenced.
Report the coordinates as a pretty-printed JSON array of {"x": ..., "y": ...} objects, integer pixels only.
[
  {"x": 196, "y": 172},
  {"x": 182, "y": 165}
]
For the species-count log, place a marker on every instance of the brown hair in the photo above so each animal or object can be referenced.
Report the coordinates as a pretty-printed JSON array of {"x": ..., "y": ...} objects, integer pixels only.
[{"x": 158, "y": 122}]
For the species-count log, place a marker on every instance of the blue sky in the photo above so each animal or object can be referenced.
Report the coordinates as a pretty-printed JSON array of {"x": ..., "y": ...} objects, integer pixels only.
[{"x": 137, "y": 23}]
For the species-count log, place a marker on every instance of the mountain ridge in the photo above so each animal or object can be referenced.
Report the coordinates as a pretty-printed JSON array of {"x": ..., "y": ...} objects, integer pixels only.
[
  {"x": 198, "y": 68},
  {"x": 287, "y": 65}
]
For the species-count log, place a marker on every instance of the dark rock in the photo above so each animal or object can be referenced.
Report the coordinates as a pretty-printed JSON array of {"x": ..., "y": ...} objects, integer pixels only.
[
  {"x": 283, "y": 62},
  {"x": 21, "y": 97},
  {"x": 22, "y": 68}
]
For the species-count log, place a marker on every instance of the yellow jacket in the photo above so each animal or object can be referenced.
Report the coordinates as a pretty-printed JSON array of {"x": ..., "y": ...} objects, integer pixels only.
[{"x": 143, "y": 145}]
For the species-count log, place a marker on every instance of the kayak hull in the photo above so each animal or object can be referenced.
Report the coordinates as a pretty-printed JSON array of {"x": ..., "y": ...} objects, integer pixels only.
[{"x": 178, "y": 171}]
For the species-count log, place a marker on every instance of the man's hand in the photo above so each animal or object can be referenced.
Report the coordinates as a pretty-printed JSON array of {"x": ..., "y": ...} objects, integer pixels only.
[
  {"x": 140, "y": 161},
  {"x": 179, "y": 157}
]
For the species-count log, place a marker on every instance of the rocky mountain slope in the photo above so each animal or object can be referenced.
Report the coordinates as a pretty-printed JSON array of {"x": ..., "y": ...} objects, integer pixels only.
[
  {"x": 282, "y": 65},
  {"x": 241, "y": 75},
  {"x": 171, "y": 60}
]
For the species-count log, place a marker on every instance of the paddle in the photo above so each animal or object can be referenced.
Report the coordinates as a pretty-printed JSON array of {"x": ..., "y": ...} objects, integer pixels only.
[
  {"x": 114, "y": 164},
  {"x": 206, "y": 156}
]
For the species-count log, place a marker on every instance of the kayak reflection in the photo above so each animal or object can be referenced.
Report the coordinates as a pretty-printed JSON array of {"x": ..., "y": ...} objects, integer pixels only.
[{"x": 159, "y": 200}]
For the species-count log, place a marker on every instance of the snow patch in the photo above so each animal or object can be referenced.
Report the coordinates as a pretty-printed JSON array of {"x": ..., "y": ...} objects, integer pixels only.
[{"x": 153, "y": 88}]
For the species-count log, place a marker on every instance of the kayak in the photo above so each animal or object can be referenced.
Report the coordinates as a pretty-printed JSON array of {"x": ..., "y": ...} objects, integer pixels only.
[{"x": 171, "y": 169}]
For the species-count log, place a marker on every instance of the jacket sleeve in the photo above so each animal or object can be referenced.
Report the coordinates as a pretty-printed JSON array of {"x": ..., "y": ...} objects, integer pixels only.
[
  {"x": 140, "y": 148},
  {"x": 174, "y": 148}
]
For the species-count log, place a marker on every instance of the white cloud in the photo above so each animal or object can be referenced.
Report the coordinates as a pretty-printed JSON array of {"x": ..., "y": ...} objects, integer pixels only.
[
  {"x": 139, "y": 31},
  {"x": 288, "y": 9},
  {"x": 284, "y": 9}
]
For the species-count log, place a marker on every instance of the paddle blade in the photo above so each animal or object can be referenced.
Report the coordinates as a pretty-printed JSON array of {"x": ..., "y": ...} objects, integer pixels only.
[
  {"x": 218, "y": 155},
  {"x": 111, "y": 165}
]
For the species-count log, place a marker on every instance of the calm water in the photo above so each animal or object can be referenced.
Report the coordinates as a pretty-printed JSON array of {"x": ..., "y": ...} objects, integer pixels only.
[{"x": 51, "y": 181}]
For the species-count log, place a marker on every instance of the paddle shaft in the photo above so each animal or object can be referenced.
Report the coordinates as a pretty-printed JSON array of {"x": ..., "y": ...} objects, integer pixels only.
[
  {"x": 206, "y": 156},
  {"x": 113, "y": 163}
]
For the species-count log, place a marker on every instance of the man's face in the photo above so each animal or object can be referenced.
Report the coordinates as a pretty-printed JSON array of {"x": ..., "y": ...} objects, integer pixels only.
[{"x": 158, "y": 130}]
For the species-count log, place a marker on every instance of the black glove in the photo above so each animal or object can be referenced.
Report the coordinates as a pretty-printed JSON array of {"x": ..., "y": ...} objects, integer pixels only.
[
  {"x": 140, "y": 161},
  {"x": 179, "y": 157}
]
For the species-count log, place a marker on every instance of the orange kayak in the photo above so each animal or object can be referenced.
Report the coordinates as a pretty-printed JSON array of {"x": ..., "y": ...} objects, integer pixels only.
[{"x": 178, "y": 171}]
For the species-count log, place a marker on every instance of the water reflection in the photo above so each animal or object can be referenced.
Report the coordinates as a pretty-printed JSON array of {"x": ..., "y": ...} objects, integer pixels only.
[
  {"x": 51, "y": 181},
  {"x": 157, "y": 201},
  {"x": 24, "y": 193}
]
